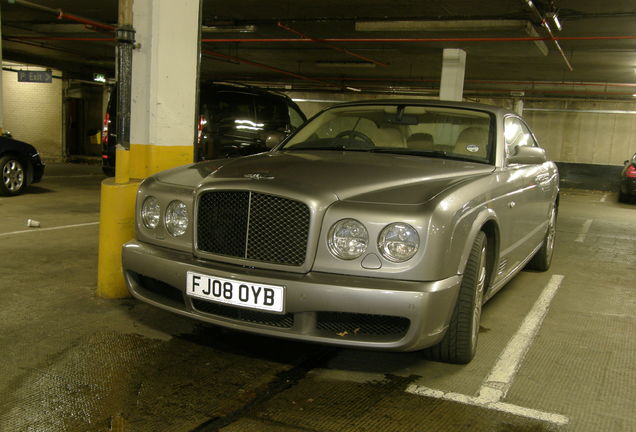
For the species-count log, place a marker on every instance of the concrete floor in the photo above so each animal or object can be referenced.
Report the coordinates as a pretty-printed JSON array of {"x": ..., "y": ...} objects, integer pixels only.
[{"x": 74, "y": 362}]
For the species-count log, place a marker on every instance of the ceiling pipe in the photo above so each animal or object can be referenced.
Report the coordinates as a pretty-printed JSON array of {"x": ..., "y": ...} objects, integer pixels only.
[
  {"x": 264, "y": 66},
  {"x": 419, "y": 40},
  {"x": 546, "y": 26},
  {"x": 60, "y": 38},
  {"x": 333, "y": 47},
  {"x": 508, "y": 82},
  {"x": 63, "y": 15}
]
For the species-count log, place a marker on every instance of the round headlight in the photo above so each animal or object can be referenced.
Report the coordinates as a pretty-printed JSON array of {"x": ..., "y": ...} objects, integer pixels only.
[
  {"x": 398, "y": 242},
  {"x": 176, "y": 218},
  {"x": 151, "y": 212},
  {"x": 348, "y": 239}
]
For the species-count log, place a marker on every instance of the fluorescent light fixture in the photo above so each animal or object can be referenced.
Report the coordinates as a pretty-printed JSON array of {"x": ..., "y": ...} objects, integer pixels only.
[
  {"x": 99, "y": 77},
  {"x": 555, "y": 19},
  {"x": 441, "y": 25},
  {"x": 353, "y": 89},
  {"x": 228, "y": 29},
  {"x": 634, "y": 95},
  {"x": 344, "y": 64}
]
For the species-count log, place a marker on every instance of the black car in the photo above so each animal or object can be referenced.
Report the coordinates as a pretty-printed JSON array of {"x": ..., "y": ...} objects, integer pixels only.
[
  {"x": 234, "y": 120},
  {"x": 20, "y": 165},
  {"x": 628, "y": 181}
]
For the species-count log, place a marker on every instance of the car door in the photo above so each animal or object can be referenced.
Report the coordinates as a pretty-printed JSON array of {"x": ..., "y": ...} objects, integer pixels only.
[{"x": 532, "y": 181}]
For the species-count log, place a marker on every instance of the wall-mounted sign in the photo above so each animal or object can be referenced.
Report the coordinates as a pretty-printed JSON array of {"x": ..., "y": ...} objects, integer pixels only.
[{"x": 45, "y": 76}]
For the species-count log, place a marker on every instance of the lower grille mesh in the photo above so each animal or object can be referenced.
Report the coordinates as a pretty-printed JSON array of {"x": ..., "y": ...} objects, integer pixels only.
[
  {"x": 256, "y": 317},
  {"x": 362, "y": 324}
]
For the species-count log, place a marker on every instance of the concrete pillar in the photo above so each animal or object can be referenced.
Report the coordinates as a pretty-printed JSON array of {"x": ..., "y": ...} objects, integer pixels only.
[
  {"x": 518, "y": 104},
  {"x": 163, "y": 127},
  {"x": 1, "y": 73},
  {"x": 165, "y": 74},
  {"x": 453, "y": 69}
]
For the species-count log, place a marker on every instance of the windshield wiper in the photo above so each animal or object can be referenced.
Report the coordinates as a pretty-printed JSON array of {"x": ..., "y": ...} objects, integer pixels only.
[{"x": 431, "y": 153}]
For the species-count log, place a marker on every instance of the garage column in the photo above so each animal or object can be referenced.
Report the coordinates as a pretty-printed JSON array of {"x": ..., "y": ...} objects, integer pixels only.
[
  {"x": 162, "y": 121},
  {"x": 453, "y": 68},
  {"x": 164, "y": 85}
]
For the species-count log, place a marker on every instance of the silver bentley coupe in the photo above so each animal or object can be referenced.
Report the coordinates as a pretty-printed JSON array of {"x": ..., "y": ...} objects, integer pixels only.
[{"x": 381, "y": 224}]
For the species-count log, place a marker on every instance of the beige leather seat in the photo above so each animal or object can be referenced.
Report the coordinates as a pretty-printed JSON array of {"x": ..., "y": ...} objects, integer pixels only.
[
  {"x": 472, "y": 141},
  {"x": 420, "y": 141},
  {"x": 388, "y": 137}
]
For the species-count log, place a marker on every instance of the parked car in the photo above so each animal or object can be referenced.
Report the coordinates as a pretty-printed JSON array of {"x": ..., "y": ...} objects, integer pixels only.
[
  {"x": 628, "y": 181},
  {"x": 20, "y": 165},
  {"x": 234, "y": 120},
  {"x": 348, "y": 233}
]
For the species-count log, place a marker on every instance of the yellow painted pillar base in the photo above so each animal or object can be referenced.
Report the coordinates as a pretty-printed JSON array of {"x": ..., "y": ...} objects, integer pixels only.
[
  {"x": 116, "y": 227},
  {"x": 117, "y": 207}
]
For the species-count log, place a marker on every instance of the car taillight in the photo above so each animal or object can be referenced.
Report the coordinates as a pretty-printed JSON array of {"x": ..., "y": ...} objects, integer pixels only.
[
  {"x": 200, "y": 127},
  {"x": 631, "y": 171},
  {"x": 105, "y": 128}
]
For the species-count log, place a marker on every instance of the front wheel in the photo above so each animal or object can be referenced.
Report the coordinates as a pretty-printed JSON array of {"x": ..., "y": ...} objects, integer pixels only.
[
  {"x": 460, "y": 341},
  {"x": 13, "y": 180},
  {"x": 543, "y": 258}
]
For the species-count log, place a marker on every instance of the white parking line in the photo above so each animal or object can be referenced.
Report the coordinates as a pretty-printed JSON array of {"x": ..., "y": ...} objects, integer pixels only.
[
  {"x": 32, "y": 230},
  {"x": 583, "y": 234},
  {"x": 603, "y": 198},
  {"x": 498, "y": 382}
]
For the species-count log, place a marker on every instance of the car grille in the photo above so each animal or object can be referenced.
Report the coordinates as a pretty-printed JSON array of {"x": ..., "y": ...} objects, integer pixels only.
[
  {"x": 255, "y": 317},
  {"x": 253, "y": 226}
]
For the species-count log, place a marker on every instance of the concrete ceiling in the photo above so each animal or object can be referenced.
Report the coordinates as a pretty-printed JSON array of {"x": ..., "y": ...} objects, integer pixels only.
[{"x": 299, "y": 44}]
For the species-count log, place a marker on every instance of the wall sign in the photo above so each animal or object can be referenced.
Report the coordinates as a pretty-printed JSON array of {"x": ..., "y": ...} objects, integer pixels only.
[{"x": 45, "y": 76}]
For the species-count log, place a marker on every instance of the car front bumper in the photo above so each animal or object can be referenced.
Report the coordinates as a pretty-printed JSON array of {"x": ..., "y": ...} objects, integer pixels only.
[{"x": 319, "y": 307}]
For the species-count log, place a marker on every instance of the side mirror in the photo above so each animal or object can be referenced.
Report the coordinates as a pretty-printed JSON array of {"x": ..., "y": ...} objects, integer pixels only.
[
  {"x": 273, "y": 139},
  {"x": 527, "y": 155}
]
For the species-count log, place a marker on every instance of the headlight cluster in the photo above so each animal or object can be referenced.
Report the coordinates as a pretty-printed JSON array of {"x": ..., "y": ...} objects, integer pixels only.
[
  {"x": 348, "y": 239},
  {"x": 175, "y": 219}
]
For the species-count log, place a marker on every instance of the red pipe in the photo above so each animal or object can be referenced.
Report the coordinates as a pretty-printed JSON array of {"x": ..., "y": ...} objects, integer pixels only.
[
  {"x": 85, "y": 21},
  {"x": 61, "y": 15},
  {"x": 474, "y": 81},
  {"x": 60, "y": 38},
  {"x": 410, "y": 40},
  {"x": 264, "y": 66},
  {"x": 322, "y": 42}
]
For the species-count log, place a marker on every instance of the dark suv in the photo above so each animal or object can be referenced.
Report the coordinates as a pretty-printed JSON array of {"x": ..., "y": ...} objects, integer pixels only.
[{"x": 234, "y": 120}]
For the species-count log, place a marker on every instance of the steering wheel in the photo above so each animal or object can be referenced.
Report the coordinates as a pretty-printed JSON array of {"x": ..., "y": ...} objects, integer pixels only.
[{"x": 354, "y": 135}]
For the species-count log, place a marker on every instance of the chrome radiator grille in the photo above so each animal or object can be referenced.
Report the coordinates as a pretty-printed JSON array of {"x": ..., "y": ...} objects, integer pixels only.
[{"x": 253, "y": 226}]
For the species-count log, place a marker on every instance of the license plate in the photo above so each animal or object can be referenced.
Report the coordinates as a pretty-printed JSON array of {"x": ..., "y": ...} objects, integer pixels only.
[{"x": 235, "y": 292}]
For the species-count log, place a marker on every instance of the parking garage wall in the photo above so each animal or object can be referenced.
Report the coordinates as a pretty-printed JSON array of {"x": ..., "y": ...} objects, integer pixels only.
[{"x": 33, "y": 113}]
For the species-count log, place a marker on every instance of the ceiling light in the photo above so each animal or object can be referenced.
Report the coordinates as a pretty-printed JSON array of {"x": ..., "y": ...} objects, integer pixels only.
[
  {"x": 555, "y": 19},
  {"x": 440, "y": 25},
  {"x": 354, "y": 89},
  {"x": 228, "y": 29}
]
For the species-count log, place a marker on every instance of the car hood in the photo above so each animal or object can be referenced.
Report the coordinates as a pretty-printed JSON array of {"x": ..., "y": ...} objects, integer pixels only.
[{"x": 351, "y": 176}]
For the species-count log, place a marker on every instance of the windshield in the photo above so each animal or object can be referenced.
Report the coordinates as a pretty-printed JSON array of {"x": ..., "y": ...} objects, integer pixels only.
[{"x": 450, "y": 132}]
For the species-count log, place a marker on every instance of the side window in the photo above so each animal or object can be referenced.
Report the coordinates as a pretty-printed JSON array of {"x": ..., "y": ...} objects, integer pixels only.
[
  {"x": 295, "y": 118},
  {"x": 232, "y": 106},
  {"x": 516, "y": 133},
  {"x": 270, "y": 110}
]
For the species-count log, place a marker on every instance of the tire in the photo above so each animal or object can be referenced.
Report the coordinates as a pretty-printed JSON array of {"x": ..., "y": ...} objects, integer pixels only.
[
  {"x": 623, "y": 198},
  {"x": 13, "y": 176},
  {"x": 460, "y": 341},
  {"x": 543, "y": 257}
]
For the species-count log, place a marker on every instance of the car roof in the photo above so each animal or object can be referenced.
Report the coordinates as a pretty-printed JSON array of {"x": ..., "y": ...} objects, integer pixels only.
[{"x": 241, "y": 88}]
